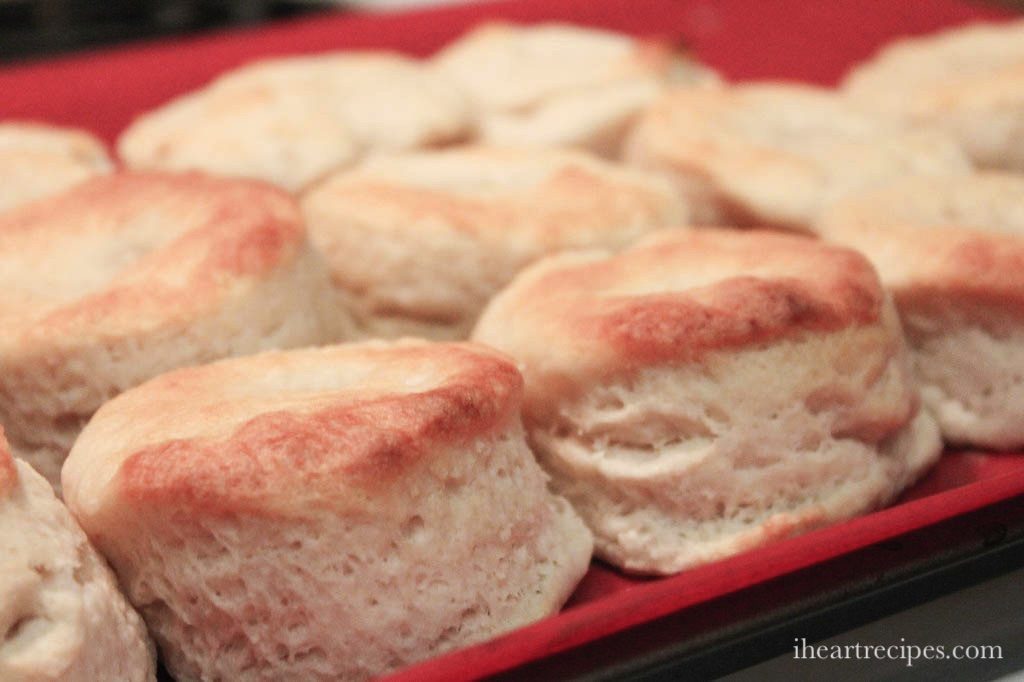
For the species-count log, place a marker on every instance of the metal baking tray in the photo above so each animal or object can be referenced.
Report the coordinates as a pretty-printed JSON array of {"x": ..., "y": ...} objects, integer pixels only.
[{"x": 786, "y": 39}]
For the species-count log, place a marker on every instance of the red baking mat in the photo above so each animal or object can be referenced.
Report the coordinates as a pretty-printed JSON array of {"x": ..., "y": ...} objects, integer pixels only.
[{"x": 796, "y": 39}]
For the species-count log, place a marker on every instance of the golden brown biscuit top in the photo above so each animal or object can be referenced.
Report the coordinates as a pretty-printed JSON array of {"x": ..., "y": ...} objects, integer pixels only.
[
  {"x": 536, "y": 200},
  {"x": 675, "y": 298},
  {"x": 782, "y": 151},
  {"x": 291, "y": 432},
  {"x": 74, "y": 143},
  {"x": 930, "y": 74},
  {"x": 940, "y": 238},
  {"x": 128, "y": 251},
  {"x": 772, "y": 114},
  {"x": 292, "y": 120},
  {"x": 504, "y": 66},
  {"x": 387, "y": 100},
  {"x": 984, "y": 201}
]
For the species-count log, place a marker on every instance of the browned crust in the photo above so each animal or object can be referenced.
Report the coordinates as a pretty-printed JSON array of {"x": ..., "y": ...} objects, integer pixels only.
[
  {"x": 940, "y": 242},
  {"x": 248, "y": 229},
  {"x": 960, "y": 266},
  {"x": 738, "y": 311},
  {"x": 746, "y": 312},
  {"x": 352, "y": 449},
  {"x": 550, "y": 211},
  {"x": 8, "y": 472}
]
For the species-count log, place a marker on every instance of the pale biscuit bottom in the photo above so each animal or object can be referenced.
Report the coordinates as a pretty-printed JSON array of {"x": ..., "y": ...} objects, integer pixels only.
[
  {"x": 972, "y": 380},
  {"x": 485, "y": 549},
  {"x": 677, "y": 468},
  {"x": 63, "y": 619},
  {"x": 643, "y": 527}
]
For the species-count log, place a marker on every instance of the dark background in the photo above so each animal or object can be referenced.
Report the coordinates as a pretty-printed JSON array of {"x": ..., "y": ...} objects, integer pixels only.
[
  {"x": 30, "y": 29},
  {"x": 36, "y": 28}
]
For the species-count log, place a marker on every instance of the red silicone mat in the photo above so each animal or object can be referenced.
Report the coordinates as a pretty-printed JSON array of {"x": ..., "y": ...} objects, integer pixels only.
[{"x": 792, "y": 39}]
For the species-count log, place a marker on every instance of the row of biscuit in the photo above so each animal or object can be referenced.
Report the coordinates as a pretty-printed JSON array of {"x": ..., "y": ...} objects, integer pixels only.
[
  {"x": 294, "y": 120},
  {"x": 346, "y": 510}
]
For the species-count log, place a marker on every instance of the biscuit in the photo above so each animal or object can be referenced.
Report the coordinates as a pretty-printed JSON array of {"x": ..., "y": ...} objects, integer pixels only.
[
  {"x": 129, "y": 275},
  {"x": 951, "y": 250},
  {"x": 331, "y": 513},
  {"x": 292, "y": 120},
  {"x": 61, "y": 615},
  {"x": 774, "y": 154},
  {"x": 559, "y": 84},
  {"x": 418, "y": 243},
  {"x": 710, "y": 391},
  {"x": 967, "y": 81},
  {"x": 37, "y": 160}
]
